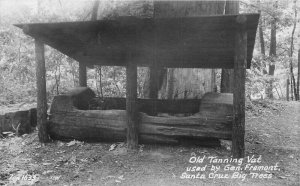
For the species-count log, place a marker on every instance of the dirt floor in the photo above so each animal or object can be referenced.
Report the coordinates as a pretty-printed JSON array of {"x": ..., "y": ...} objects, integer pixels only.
[{"x": 272, "y": 131}]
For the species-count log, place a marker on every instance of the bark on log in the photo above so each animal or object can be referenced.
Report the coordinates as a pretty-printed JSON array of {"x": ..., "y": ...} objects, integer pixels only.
[
  {"x": 204, "y": 128},
  {"x": 20, "y": 122},
  {"x": 110, "y": 125}
]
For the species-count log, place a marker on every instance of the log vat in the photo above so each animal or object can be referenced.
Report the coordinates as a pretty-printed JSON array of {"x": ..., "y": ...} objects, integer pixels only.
[{"x": 70, "y": 119}]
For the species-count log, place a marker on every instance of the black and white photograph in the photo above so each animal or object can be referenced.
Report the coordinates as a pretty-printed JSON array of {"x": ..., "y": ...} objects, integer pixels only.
[{"x": 149, "y": 92}]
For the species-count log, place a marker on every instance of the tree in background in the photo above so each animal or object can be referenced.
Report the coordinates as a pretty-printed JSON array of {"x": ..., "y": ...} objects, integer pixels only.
[
  {"x": 272, "y": 53},
  {"x": 227, "y": 80},
  {"x": 293, "y": 81},
  {"x": 275, "y": 29}
]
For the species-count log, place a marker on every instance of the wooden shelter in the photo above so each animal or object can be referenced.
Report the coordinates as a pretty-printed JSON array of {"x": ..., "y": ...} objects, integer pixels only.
[{"x": 225, "y": 41}]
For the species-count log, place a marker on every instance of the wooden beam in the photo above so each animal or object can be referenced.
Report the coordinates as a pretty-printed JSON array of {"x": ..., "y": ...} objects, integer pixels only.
[
  {"x": 41, "y": 91},
  {"x": 240, "y": 63},
  {"x": 82, "y": 75},
  {"x": 131, "y": 105}
]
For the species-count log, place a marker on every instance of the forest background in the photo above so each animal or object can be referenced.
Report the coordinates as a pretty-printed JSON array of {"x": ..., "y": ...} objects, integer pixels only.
[{"x": 274, "y": 72}]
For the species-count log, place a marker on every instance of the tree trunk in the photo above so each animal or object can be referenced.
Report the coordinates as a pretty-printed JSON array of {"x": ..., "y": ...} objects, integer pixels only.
[
  {"x": 292, "y": 92},
  {"x": 287, "y": 89},
  {"x": 82, "y": 66},
  {"x": 95, "y": 10},
  {"x": 227, "y": 80},
  {"x": 261, "y": 38},
  {"x": 272, "y": 54},
  {"x": 293, "y": 82},
  {"x": 198, "y": 80},
  {"x": 298, "y": 77},
  {"x": 170, "y": 83}
]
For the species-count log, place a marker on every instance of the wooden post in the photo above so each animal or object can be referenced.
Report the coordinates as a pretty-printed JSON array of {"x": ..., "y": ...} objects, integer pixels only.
[
  {"x": 82, "y": 75},
  {"x": 287, "y": 89},
  {"x": 41, "y": 91},
  {"x": 240, "y": 61},
  {"x": 131, "y": 106}
]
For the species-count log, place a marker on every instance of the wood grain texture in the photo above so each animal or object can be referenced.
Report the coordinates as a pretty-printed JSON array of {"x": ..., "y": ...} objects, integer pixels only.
[
  {"x": 110, "y": 125},
  {"x": 67, "y": 122},
  {"x": 238, "y": 128},
  {"x": 131, "y": 106},
  {"x": 181, "y": 42},
  {"x": 41, "y": 92}
]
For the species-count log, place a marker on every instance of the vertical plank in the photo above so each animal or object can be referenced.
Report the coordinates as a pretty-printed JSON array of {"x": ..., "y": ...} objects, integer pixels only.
[
  {"x": 82, "y": 75},
  {"x": 240, "y": 61},
  {"x": 41, "y": 91},
  {"x": 131, "y": 105}
]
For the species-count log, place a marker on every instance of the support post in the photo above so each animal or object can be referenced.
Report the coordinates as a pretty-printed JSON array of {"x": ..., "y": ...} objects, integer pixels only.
[
  {"x": 41, "y": 91},
  {"x": 240, "y": 61},
  {"x": 131, "y": 105},
  {"x": 82, "y": 75}
]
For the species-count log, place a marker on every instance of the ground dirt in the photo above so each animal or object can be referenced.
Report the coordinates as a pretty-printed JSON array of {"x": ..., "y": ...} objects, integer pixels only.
[{"x": 272, "y": 131}]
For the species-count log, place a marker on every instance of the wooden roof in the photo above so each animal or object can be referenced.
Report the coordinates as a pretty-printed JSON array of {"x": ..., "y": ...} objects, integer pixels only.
[{"x": 186, "y": 42}]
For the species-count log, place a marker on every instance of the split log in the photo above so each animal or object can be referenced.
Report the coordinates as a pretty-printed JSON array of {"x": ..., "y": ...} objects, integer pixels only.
[
  {"x": 110, "y": 125},
  {"x": 20, "y": 122},
  {"x": 218, "y": 105},
  {"x": 78, "y": 97},
  {"x": 67, "y": 122}
]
